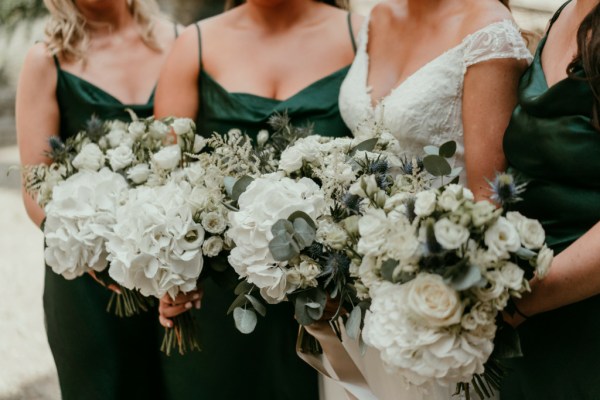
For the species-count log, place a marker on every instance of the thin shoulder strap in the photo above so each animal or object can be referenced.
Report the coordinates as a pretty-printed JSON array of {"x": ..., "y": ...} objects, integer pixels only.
[
  {"x": 176, "y": 30},
  {"x": 56, "y": 62},
  {"x": 352, "y": 38},
  {"x": 557, "y": 14},
  {"x": 199, "y": 45}
]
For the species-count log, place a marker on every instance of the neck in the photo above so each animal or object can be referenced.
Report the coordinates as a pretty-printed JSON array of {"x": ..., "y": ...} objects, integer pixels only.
[
  {"x": 106, "y": 17},
  {"x": 278, "y": 14},
  {"x": 421, "y": 8}
]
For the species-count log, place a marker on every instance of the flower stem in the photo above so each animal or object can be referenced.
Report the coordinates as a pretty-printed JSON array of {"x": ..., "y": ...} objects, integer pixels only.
[{"x": 182, "y": 336}]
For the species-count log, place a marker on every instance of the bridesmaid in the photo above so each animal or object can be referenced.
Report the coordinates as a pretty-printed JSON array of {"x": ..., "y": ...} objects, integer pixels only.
[
  {"x": 553, "y": 140},
  {"x": 99, "y": 57},
  {"x": 235, "y": 71}
]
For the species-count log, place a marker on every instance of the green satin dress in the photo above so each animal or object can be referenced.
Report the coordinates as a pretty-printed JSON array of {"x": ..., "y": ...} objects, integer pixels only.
[
  {"x": 262, "y": 365},
  {"x": 552, "y": 143},
  {"x": 98, "y": 355}
]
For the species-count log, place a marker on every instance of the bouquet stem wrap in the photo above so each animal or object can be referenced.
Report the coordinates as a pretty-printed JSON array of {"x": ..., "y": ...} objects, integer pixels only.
[{"x": 182, "y": 336}]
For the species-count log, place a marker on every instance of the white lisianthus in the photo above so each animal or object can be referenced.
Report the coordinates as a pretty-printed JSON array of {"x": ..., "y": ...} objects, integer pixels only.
[
  {"x": 512, "y": 276},
  {"x": 433, "y": 302},
  {"x": 493, "y": 289},
  {"x": 137, "y": 129},
  {"x": 158, "y": 130},
  {"x": 483, "y": 313},
  {"x": 120, "y": 157},
  {"x": 262, "y": 137},
  {"x": 453, "y": 196},
  {"x": 374, "y": 229},
  {"x": 530, "y": 230},
  {"x": 450, "y": 235},
  {"x": 425, "y": 203},
  {"x": 139, "y": 173},
  {"x": 483, "y": 212},
  {"x": 401, "y": 243},
  {"x": 212, "y": 246},
  {"x": 397, "y": 202},
  {"x": 181, "y": 126},
  {"x": 199, "y": 144},
  {"x": 116, "y": 137},
  {"x": 502, "y": 238},
  {"x": 214, "y": 222},
  {"x": 544, "y": 261},
  {"x": 167, "y": 158},
  {"x": 90, "y": 158}
]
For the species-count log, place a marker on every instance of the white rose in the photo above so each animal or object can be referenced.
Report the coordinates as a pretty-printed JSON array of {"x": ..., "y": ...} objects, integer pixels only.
[
  {"x": 512, "y": 276},
  {"x": 137, "y": 129},
  {"x": 167, "y": 158},
  {"x": 89, "y": 158},
  {"x": 425, "y": 203},
  {"x": 502, "y": 238},
  {"x": 139, "y": 173},
  {"x": 213, "y": 222},
  {"x": 433, "y": 302},
  {"x": 158, "y": 130},
  {"x": 212, "y": 246},
  {"x": 483, "y": 212},
  {"x": 181, "y": 126},
  {"x": 450, "y": 235},
  {"x": 544, "y": 261},
  {"x": 120, "y": 157},
  {"x": 199, "y": 143},
  {"x": 531, "y": 231},
  {"x": 373, "y": 228}
]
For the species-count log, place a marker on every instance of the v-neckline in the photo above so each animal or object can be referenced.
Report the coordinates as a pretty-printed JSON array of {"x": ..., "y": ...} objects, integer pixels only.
[
  {"x": 96, "y": 87},
  {"x": 375, "y": 103},
  {"x": 270, "y": 99}
]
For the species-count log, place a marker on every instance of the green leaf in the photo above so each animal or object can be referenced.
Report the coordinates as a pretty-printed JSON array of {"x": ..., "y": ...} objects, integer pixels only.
[
  {"x": 525, "y": 254},
  {"x": 353, "y": 323},
  {"x": 240, "y": 187},
  {"x": 437, "y": 165},
  {"x": 258, "y": 306},
  {"x": 245, "y": 320},
  {"x": 305, "y": 313},
  {"x": 243, "y": 287},
  {"x": 388, "y": 268},
  {"x": 448, "y": 149},
  {"x": 315, "y": 313},
  {"x": 282, "y": 226},
  {"x": 465, "y": 277},
  {"x": 432, "y": 150},
  {"x": 367, "y": 145},
  {"x": 304, "y": 234},
  {"x": 238, "y": 302},
  {"x": 301, "y": 214},
  {"x": 283, "y": 247}
]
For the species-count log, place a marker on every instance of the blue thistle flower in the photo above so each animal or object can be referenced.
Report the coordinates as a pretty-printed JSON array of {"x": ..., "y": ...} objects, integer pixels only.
[
  {"x": 315, "y": 251},
  {"x": 505, "y": 189},
  {"x": 378, "y": 167},
  {"x": 408, "y": 166},
  {"x": 56, "y": 144},
  {"x": 94, "y": 128},
  {"x": 352, "y": 202}
]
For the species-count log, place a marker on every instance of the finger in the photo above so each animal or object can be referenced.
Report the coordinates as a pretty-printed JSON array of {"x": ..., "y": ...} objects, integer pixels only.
[
  {"x": 181, "y": 298},
  {"x": 171, "y": 312},
  {"x": 198, "y": 304},
  {"x": 115, "y": 288},
  {"x": 167, "y": 323}
]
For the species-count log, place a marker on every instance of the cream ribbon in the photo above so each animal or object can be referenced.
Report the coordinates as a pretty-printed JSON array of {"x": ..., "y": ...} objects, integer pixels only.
[{"x": 345, "y": 371}]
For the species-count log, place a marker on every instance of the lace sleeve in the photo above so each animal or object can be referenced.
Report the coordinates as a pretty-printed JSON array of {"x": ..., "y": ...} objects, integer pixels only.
[{"x": 498, "y": 40}]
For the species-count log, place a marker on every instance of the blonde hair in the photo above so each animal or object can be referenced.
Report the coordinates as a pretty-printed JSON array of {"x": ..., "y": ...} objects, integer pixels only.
[{"x": 67, "y": 33}]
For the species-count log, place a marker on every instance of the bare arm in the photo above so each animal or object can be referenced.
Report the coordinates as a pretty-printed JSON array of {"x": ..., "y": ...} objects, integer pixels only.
[
  {"x": 37, "y": 115},
  {"x": 177, "y": 90},
  {"x": 490, "y": 95}
]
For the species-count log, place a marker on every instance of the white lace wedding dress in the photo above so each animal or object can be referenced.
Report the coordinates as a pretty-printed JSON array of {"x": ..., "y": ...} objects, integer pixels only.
[{"x": 424, "y": 109}]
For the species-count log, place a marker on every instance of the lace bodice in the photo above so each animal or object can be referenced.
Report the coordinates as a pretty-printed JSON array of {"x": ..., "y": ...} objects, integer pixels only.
[{"x": 426, "y": 108}]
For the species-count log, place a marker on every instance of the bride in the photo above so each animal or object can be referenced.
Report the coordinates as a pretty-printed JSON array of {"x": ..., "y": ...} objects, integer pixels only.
[{"x": 429, "y": 71}]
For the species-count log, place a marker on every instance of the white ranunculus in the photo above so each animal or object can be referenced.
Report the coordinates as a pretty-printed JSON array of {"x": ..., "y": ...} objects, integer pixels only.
[
  {"x": 433, "y": 302},
  {"x": 167, "y": 158},
  {"x": 199, "y": 144},
  {"x": 502, "y": 238},
  {"x": 530, "y": 230},
  {"x": 303, "y": 150},
  {"x": 181, "y": 126},
  {"x": 90, "y": 158},
  {"x": 137, "y": 129},
  {"x": 544, "y": 261},
  {"x": 374, "y": 229},
  {"x": 512, "y": 276},
  {"x": 450, "y": 235},
  {"x": 212, "y": 246},
  {"x": 120, "y": 157},
  {"x": 139, "y": 173},
  {"x": 214, "y": 222},
  {"x": 483, "y": 212},
  {"x": 425, "y": 203},
  {"x": 158, "y": 130}
]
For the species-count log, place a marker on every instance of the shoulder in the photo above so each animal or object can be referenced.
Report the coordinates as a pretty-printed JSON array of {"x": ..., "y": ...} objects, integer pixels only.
[
  {"x": 39, "y": 63},
  {"x": 481, "y": 14}
]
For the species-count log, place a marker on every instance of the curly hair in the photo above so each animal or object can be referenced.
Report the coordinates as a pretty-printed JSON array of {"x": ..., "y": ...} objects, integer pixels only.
[{"x": 67, "y": 30}]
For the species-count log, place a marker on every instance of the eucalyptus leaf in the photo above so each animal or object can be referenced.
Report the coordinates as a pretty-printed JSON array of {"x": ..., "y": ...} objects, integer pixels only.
[
  {"x": 228, "y": 182},
  {"x": 301, "y": 214},
  {"x": 437, "y": 165},
  {"x": 432, "y": 150},
  {"x": 243, "y": 287},
  {"x": 304, "y": 234},
  {"x": 283, "y": 247},
  {"x": 258, "y": 306},
  {"x": 305, "y": 314},
  {"x": 367, "y": 145},
  {"x": 388, "y": 268},
  {"x": 448, "y": 149},
  {"x": 456, "y": 171},
  {"x": 466, "y": 278},
  {"x": 315, "y": 313},
  {"x": 313, "y": 305},
  {"x": 282, "y": 226},
  {"x": 245, "y": 320},
  {"x": 240, "y": 187},
  {"x": 353, "y": 323},
  {"x": 238, "y": 302},
  {"x": 525, "y": 254}
]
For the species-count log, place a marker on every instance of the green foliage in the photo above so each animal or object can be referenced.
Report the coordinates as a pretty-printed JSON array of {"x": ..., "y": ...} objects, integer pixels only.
[{"x": 15, "y": 11}]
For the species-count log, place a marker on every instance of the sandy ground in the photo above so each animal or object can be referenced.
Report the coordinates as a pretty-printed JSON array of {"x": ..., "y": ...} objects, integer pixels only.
[{"x": 26, "y": 365}]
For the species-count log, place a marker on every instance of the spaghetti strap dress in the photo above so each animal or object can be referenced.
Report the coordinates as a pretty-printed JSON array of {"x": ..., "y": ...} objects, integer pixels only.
[
  {"x": 552, "y": 143},
  {"x": 262, "y": 365},
  {"x": 98, "y": 355}
]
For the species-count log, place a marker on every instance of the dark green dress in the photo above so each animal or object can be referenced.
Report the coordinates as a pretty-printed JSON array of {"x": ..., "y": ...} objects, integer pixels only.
[
  {"x": 264, "y": 364},
  {"x": 98, "y": 355},
  {"x": 550, "y": 140}
]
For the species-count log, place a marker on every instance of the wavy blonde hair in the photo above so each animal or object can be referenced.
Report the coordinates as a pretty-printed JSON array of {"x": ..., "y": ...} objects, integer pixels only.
[{"x": 67, "y": 30}]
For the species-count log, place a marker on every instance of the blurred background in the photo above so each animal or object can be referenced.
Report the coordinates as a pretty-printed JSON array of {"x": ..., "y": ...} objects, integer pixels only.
[{"x": 26, "y": 368}]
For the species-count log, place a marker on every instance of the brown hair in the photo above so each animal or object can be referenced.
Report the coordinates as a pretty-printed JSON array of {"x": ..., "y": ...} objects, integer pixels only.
[
  {"x": 229, "y": 4},
  {"x": 588, "y": 56}
]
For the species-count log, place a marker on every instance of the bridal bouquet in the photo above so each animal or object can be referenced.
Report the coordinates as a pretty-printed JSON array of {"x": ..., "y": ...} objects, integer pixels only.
[
  {"x": 87, "y": 180},
  {"x": 437, "y": 268}
]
